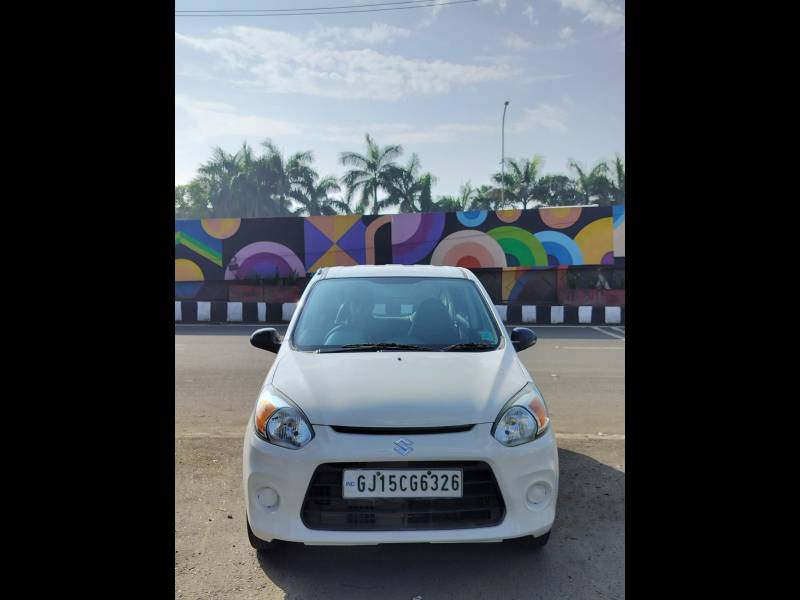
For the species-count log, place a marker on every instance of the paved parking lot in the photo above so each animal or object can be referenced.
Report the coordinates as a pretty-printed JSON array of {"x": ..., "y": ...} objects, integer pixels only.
[{"x": 580, "y": 371}]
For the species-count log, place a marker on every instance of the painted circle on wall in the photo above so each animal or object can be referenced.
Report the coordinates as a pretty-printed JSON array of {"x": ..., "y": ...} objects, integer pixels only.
[
  {"x": 560, "y": 218},
  {"x": 472, "y": 218},
  {"x": 521, "y": 247},
  {"x": 509, "y": 216},
  {"x": 471, "y": 249},
  {"x": 187, "y": 270},
  {"x": 264, "y": 260},
  {"x": 469, "y": 262},
  {"x": 561, "y": 249},
  {"x": 596, "y": 241},
  {"x": 221, "y": 229}
]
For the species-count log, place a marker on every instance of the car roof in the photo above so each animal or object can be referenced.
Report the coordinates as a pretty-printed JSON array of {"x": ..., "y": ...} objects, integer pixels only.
[{"x": 395, "y": 271}]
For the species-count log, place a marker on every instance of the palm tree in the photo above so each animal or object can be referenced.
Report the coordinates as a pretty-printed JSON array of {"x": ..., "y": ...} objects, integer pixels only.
[
  {"x": 244, "y": 184},
  {"x": 619, "y": 182},
  {"x": 313, "y": 197},
  {"x": 279, "y": 178},
  {"x": 520, "y": 180},
  {"x": 218, "y": 174},
  {"x": 247, "y": 185},
  {"x": 487, "y": 197},
  {"x": 466, "y": 196},
  {"x": 594, "y": 186},
  {"x": 424, "y": 197},
  {"x": 409, "y": 190},
  {"x": 557, "y": 190},
  {"x": 371, "y": 171}
]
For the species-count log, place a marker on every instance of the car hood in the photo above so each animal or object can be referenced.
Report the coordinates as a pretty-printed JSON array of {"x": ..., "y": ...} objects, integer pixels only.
[{"x": 400, "y": 389}]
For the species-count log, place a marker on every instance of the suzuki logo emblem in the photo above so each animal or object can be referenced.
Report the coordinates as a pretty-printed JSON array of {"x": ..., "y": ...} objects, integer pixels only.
[{"x": 403, "y": 446}]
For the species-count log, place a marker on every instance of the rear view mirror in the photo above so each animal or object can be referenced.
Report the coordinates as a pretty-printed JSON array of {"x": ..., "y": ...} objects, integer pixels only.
[
  {"x": 266, "y": 339},
  {"x": 522, "y": 337}
]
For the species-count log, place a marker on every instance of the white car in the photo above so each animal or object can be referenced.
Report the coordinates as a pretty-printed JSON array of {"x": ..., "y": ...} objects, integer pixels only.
[{"x": 398, "y": 411}]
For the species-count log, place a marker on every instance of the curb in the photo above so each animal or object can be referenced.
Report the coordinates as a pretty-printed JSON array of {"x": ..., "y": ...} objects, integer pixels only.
[{"x": 263, "y": 312}]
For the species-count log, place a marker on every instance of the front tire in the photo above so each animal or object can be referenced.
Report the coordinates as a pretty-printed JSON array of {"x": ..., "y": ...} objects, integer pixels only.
[{"x": 259, "y": 544}]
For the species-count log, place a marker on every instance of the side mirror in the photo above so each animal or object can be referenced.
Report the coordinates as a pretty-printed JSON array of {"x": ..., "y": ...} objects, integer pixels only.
[
  {"x": 266, "y": 339},
  {"x": 522, "y": 337}
]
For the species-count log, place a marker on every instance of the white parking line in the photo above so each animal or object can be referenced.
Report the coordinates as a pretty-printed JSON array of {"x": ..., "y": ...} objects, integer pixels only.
[
  {"x": 608, "y": 333},
  {"x": 620, "y": 329}
]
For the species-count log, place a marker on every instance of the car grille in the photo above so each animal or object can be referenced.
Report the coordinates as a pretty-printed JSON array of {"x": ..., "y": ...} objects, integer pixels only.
[
  {"x": 401, "y": 430},
  {"x": 481, "y": 505}
]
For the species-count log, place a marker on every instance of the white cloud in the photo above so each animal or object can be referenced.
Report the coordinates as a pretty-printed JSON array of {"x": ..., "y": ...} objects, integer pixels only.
[
  {"x": 601, "y": 12},
  {"x": 544, "y": 116},
  {"x": 280, "y": 62},
  {"x": 438, "y": 5},
  {"x": 566, "y": 33},
  {"x": 430, "y": 19},
  {"x": 207, "y": 121},
  {"x": 403, "y": 133},
  {"x": 375, "y": 34},
  {"x": 517, "y": 42},
  {"x": 528, "y": 12},
  {"x": 501, "y": 4},
  {"x": 438, "y": 134},
  {"x": 543, "y": 78}
]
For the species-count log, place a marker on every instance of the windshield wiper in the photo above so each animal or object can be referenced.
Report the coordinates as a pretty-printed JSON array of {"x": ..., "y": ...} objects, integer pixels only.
[
  {"x": 373, "y": 347},
  {"x": 469, "y": 346}
]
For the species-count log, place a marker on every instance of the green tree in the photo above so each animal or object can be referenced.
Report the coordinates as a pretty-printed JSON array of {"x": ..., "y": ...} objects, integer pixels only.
[
  {"x": 425, "y": 198},
  {"x": 246, "y": 185},
  {"x": 557, "y": 190},
  {"x": 594, "y": 187},
  {"x": 520, "y": 181},
  {"x": 618, "y": 184},
  {"x": 314, "y": 197},
  {"x": 191, "y": 201},
  {"x": 463, "y": 201},
  {"x": 217, "y": 176},
  {"x": 409, "y": 190},
  {"x": 276, "y": 179},
  {"x": 487, "y": 197},
  {"x": 370, "y": 172}
]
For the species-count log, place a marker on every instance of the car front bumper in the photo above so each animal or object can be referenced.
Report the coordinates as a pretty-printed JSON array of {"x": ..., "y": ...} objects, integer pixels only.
[{"x": 289, "y": 472}]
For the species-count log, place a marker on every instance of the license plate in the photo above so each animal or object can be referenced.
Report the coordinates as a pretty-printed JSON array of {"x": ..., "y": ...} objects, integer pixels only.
[{"x": 402, "y": 483}]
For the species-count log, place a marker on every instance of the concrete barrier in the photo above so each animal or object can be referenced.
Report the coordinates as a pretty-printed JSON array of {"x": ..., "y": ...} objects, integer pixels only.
[
  {"x": 235, "y": 312},
  {"x": 260, "y": 312},
  {"x": 502, "y": 312}
]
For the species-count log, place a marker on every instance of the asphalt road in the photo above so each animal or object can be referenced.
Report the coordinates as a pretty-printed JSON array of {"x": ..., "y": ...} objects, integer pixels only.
[{"x": 580, "y": 371}]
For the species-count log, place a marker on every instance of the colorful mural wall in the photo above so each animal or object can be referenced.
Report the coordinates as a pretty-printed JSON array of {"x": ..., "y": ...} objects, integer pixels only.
[{"x": 517, "y": 241}]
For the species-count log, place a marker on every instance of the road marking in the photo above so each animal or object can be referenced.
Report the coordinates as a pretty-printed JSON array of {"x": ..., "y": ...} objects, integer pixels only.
[
  {"x": 608, "y": 333},
  {"x": 620, "y": 329}
]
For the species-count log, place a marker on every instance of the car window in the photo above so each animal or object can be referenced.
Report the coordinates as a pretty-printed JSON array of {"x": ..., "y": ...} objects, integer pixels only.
[{"x": 428, "y": 311}]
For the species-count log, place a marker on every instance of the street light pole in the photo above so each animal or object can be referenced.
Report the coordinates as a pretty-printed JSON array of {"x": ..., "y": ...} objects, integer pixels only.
[{"x": 503, "y": 157}]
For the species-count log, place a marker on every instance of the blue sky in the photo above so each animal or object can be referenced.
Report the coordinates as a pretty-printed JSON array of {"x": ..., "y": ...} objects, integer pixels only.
[{"x": 431, "y": 79}]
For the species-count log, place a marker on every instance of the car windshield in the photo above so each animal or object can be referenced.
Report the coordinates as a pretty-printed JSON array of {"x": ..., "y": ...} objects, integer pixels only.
[{"x": 427, "y": 313}]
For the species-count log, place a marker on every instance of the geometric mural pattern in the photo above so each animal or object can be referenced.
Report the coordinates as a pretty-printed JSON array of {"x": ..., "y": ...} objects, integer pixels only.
[
  {"x": 334, "y": 241},
  {"x": 514, "y": 240}
]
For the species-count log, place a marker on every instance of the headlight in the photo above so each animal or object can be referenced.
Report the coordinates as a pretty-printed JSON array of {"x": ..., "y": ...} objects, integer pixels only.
[
  {"x": 278, "y": 421},
  {"x": 523, "y": 419}
]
